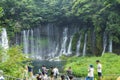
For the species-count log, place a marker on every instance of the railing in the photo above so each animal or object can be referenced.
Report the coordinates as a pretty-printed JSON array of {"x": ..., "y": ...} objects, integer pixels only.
[
  {"x": 11, "y": 78},
  {"x": 111, "y": 76}
]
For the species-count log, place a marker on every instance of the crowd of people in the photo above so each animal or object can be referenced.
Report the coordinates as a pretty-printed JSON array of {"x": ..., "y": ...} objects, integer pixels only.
[
  {"x": 47, "y": 74},
  {"x": 53, "y": 72}
]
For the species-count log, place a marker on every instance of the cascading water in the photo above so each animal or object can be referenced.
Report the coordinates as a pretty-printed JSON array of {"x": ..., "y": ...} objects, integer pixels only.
[
  {"x": 49, "y": 41},
  {"x": 4, "y": 44},
  {"x": 85, "y": 43},
  {"x": 65, "y": 37},
  {"x": 104, "y": 43},
  {"x": 46, "y": 42},
  {"x": 4, "y": 39},
  {"x": 32, "y": 43},
  {"x": 69, "y": 51},
  {"x": 78, "y": 47},
  {"x": 110, "y": 45},
  {"x": 26, "y": 41}
]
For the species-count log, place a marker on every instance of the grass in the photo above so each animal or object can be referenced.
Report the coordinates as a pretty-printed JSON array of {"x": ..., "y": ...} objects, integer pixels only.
[{"x": 110, "y": 65}]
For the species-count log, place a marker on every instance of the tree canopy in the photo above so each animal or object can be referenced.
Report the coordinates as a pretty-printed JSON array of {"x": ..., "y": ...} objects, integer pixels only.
[{"x": 98, "y": 15}]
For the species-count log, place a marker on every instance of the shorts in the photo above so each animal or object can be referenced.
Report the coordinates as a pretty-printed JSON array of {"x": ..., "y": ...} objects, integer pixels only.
[{"x": 99, "y": 74}]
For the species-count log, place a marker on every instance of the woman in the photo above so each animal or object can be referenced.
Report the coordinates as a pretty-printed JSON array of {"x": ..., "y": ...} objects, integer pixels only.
[{"x": 90, "y": 73}]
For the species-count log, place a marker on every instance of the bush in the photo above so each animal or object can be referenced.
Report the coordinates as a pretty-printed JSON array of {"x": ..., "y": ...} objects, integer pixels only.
[{"x": 13, "y": 66}]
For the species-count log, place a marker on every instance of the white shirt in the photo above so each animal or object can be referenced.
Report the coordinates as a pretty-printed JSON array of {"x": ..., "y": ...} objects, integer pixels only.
[
  {"x": 91, "y": 72},
  {"x": 55, "y": 70},
  {"x": 45, "y": 77},
  {"x": 99, "y": 67},
  {"x": 1, "y": 78}
]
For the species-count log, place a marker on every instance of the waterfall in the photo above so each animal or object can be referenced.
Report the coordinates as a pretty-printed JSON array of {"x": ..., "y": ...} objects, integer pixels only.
[
  {"x": 26, "y": 41},
  {"x": 40, "y": 43},
  {"x": 70, "y": 46},
  {"x": 56, "y": 49},
  {"x": 85, "y": 43},
  {"x": 37, "y": 44},
  {"x": 104, "y": 43},
  {"x": 32, "y": 43},
  {"x": 64, "y": 42},
  {"x": 78, "y": 47},
  {"x": 110, "y": 45},
  {"x": 4, "y": 39},
  {"x": 4, "y": 44},
  {"x": 46, "y": 41}
]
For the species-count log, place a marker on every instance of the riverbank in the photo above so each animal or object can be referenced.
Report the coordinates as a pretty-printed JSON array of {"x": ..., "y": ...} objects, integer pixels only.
[{"x": 110, "y": 64}]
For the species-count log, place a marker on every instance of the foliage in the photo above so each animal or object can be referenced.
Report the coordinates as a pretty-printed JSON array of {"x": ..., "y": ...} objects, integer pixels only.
[
  {"x": 13, "y": 66},
  {"x": 97, "y": 15},
  {"x": 110, "y": 65}
]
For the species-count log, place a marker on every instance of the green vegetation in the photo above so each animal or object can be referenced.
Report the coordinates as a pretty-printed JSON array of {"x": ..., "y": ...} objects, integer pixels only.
[
  {"x": 110, "y": 64},
  {"x": 92, "y": 16},
  {"x": 14, "y": 64}
]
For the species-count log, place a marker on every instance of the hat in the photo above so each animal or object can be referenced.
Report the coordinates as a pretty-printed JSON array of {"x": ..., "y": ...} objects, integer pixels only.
[
  {"x": 97, "y": 61},
  {"x": 91, "y": 65}
]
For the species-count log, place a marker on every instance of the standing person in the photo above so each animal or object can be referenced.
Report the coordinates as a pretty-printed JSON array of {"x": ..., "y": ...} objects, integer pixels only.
[
  {"x": 44, "y": 70},
  {"x": 56, "y": 72},
  {"x": 30, "y": 70},
  {"x": 51, "y": 73},
  {"x": 99, "y": 69},
  {"x": 69, "y": 73},
  {"x": 25, "y": 73},
  {"x": 1, "y": 75},
  {"x": 91, "y": 73},
  {"x": 44, "y": 76}
]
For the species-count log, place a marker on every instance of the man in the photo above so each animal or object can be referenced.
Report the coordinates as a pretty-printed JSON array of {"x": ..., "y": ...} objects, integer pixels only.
[
  {"x": 99, "y": 69},
  {"x": 69, "y": 73},
  {"x": 56, "y": 72}
]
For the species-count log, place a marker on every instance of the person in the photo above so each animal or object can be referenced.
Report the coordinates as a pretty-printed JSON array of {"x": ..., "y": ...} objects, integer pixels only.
[
  {"x": 30, "y": 70},
  {"x": 1, "y": 75},
  {"x": 99, "y": 69},
  {"x": 25, "y": 73},
  {"x": 69, "y": 73},
  {"x": 39, "y": 76},
  {"x": 44, "y": 70},
  {"x": 56, "y": 72},
  {"x": 44, "y": 76},
  {"x": 71, "y": 77},
  {"x": 51, "y": 73},
  {"x": 91, "y": 73},
  {"x": 62, "y": 77}
]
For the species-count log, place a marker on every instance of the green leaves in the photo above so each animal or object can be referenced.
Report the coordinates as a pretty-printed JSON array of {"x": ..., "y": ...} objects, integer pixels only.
[
  {"x": 110, "y": 65},
  {"x": 14, "y": 64},
  {"x": 1, "y": 12}
]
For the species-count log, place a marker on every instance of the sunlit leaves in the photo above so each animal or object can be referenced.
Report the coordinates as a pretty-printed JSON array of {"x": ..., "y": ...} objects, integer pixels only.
[
  {"x": 1, "y": 12},
  {"x": 14, "y": 64}
]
